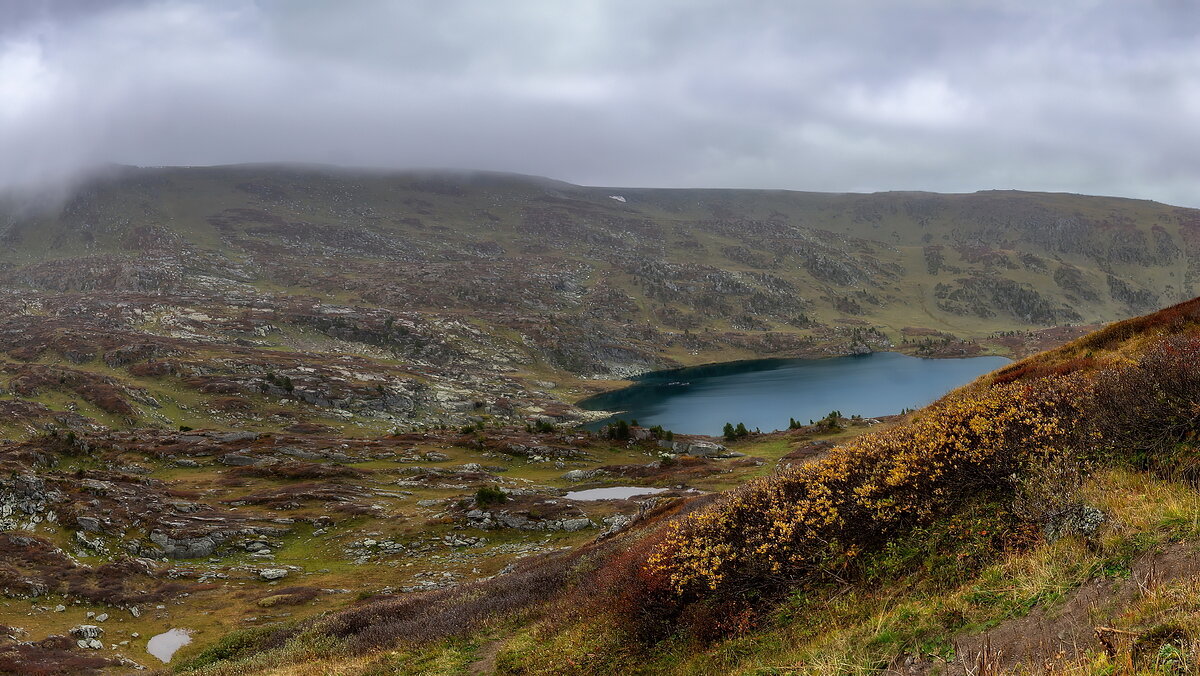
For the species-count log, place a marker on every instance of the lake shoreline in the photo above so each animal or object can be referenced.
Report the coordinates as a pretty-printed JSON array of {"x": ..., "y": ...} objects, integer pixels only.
[
  {"x": 602, "y": 387},
  {"x": 768, "y": 393}
]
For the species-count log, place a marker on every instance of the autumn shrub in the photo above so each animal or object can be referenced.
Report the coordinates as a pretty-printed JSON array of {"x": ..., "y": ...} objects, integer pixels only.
[
  {"x": 621, "y": 584},
  {"x": 53, "y": 656},
  {"x": 952, "y": 547},
  {"x": 1041, "y": 367},
  {"x": 231, "y": 646},
  {"x": 423, "y": 618},
  {"x": 1148, "y": 411},
  {"x": 1174, "y": 319},
  {"x": 298, "y": 470},
  {"x": 490, "y": 495},
  {"x": 819, "y": 518}
]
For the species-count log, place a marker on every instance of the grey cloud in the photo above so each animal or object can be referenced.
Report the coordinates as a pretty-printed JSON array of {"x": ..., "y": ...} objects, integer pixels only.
[{"x": 1095, "y": 97}]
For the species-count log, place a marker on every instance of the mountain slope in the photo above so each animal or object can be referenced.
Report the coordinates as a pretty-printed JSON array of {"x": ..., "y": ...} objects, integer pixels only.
[
  {"x": 328, "y": 405},
  {"x": 1042, "y": 518},
  {"x": 492, "y": 286}
]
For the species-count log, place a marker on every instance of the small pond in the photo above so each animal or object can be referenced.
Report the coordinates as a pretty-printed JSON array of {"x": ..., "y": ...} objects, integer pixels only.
[
  {"x": 164, "y": 645},
  {"x": 765, "y": 393},
  {"x": 612, "y": 493}
]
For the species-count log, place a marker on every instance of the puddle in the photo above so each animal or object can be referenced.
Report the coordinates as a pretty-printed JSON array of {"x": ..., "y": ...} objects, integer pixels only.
[
  {"x": 164, "y": 645},
  {"x": 612, "y": 493}
]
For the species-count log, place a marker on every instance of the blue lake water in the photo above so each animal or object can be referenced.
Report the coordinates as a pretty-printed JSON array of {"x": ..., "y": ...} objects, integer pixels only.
[{"x": 765, "y": 393}]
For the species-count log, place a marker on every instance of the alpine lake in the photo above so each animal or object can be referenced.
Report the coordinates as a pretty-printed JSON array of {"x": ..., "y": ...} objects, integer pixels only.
[{"x": 767, "y": 393}]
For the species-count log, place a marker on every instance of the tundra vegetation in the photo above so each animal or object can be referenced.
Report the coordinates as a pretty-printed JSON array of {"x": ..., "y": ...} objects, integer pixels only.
[
  {"x": 1050, "y": 507},
  {"x": 325, "y": 420}
]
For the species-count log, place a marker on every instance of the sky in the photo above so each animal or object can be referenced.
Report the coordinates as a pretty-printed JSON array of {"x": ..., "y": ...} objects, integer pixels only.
[{"x": 850, "y": 95}]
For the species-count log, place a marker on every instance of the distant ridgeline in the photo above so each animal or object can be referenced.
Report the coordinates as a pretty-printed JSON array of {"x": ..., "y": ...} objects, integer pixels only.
[{"x": 527, "y": 279}]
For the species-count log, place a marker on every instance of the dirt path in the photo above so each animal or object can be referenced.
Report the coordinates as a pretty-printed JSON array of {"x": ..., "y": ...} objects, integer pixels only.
[
  {"x": 486, "y": 664},
  {"x": 1067, "y": 630}
]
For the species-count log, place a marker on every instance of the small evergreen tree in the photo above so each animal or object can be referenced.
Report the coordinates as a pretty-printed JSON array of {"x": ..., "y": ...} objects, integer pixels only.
[
  {"x": 490, "y": 495},
  {"x": 622, "y": 429}
]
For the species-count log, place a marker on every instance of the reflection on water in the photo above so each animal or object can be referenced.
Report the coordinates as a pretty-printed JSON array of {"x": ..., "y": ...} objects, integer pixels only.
[{"x": 766, "y": 393}]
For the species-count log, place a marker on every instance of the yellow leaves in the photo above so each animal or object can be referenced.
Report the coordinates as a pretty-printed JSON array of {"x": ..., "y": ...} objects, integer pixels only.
[{"x": 862, "y": 491}]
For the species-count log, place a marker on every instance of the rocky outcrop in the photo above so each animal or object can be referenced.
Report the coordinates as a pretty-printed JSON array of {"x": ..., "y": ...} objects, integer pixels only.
[
  {"x": 490, "y": 520},
  {"x": 186, "y": 548},
  {"x": 26, "y": 501},
  {"x": 702, "y": 449}
]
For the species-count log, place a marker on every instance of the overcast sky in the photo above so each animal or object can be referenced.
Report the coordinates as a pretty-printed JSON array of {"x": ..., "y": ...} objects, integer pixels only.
[{"x": 1091, "y": 97}]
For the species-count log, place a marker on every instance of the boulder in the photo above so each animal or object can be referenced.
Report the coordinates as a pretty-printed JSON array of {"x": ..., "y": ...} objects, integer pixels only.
[
  {"x": 705, "y": 449},
  {"x": 184, "y": 548},
  {"x": 616, "y": 523},
  {"x": 272, "y": 573},
  {"x": 573, "y": 525},
  {"x": 87, "y": 631},
  {"x": 89, "y": 524}
]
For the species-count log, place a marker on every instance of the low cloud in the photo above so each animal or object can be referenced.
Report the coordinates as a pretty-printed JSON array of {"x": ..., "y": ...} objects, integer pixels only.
[{"x": 1093, "y": 97}]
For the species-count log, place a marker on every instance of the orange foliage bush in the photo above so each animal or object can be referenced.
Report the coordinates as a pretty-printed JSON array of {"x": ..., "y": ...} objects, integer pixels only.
[{"x": 821, "y": 517}]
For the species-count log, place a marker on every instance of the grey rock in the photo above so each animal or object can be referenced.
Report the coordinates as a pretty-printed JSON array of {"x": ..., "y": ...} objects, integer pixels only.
[
  {"x": 860, "y": 348},
  {"x": 238, "y": 460},
  {"x": 705, "y": 449},
  {"x": 185, "y": 548},
  {"x": 234, "y": 437},
  {"x": 273, "y": 573},
  {"x": 300, "y": 453},
  {"x": 573, "y": 525},
  {"x": 25, "y": 499},
  {"x": 186, "y": 507},
  {"x": 89, "y": 524},
  {"x": 87, "y": 631},
  {"x": 616, "y": 523}
]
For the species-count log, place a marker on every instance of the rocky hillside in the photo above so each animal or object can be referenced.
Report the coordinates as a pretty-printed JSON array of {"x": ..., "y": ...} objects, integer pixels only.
[
  {"x": 207, "y": 296},
  {"x": 1041, "y": 520},
  {"x": 326, "y": 416}
]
